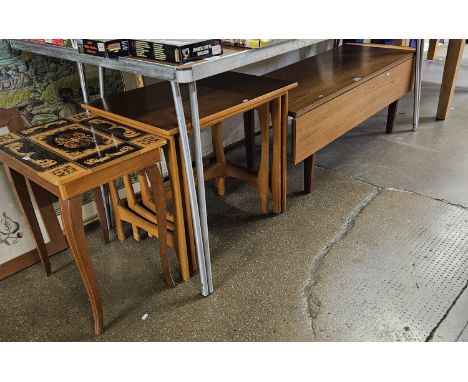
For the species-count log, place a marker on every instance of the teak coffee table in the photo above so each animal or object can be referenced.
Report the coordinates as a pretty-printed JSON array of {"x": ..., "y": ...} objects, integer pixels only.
[
  {"x": 69, "y": 157},
  {"x": 340, "y": 88}
]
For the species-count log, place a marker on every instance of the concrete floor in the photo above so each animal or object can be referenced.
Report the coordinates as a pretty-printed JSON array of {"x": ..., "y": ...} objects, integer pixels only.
[{"x": 377, "y": 252}]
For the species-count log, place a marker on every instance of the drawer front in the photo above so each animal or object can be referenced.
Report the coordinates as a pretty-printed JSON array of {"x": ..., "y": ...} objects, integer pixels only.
[{"x": 321, "y": 126}]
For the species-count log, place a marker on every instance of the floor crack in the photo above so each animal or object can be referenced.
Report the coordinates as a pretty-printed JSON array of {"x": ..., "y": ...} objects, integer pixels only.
[
  {"x": 462, "y": 331},
  {"x": 431, "y": 334},
  {"x": 445, "y": 201},
  {"x": 342, "y": 232},
  {"x": 378, "y": 190}
]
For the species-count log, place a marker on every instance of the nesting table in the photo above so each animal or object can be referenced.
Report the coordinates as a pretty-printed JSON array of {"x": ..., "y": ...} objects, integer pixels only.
[
  {"x": 69, "y": 157},
  {"x": 220, "y": 97}
]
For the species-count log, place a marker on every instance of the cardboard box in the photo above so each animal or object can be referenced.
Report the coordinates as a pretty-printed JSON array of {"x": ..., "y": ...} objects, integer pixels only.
[
  {"x": 104, "y": 48},
  {"x": 177, "y": 51},
  {"x": 67, "y": 42},
  {"x": 251, "y": 43},
  {"x": 56, "y": 41}
]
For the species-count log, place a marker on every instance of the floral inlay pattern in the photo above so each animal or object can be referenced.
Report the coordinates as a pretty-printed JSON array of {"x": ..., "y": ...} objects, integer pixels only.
[{"x": 9, "y": 230}]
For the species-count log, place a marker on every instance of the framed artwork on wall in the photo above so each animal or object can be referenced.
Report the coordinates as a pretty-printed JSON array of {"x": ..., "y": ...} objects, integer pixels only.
[{"x": 17, "y": 247}]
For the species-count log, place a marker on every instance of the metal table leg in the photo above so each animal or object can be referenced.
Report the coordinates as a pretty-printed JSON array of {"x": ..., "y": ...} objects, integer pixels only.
[
  {"x": 201, "y": 180},
  {"x": 417, "y": 82},
  {"x": 102, "y": 85},
  {"x": 104, "y": 189},
  {"x": 84, "y": 86},
  {"x": 202, "y": 269},
  {"x": 84, "y": 91}
]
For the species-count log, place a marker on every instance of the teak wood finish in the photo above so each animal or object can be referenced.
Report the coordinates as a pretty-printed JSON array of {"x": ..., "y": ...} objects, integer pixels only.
[
  {"x": 220, "y": 97},
  {"x": 69, "y": 158},
  {"x": 432, "y": 50},
  {"x": 449, "y": 78},
  {"x": 340, "y": 114},
  {"x": 134, "y": 213},
  {"x": 338, "y": 90}
]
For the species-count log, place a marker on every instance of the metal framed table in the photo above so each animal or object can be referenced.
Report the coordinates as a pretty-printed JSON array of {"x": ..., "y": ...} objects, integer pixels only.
[{"x": 231, "y": 59}]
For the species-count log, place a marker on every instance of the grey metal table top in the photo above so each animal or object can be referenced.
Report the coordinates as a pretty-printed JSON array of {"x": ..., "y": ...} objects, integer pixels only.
[{"x": 231, "y": 59}]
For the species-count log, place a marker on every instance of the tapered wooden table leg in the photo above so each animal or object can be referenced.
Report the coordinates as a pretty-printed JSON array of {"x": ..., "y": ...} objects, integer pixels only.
[
  {"x": 170, "y": 152},
  {"x": 432, "y": 51},
  {"x": 263, "y": 172},
  {"x": 284, "y": 150},
  {"x": 249, "y": 131},
  {"x": 189, "y": 231},
  {"x": 72, "y": 219},
  {"x": 20, "y": 190},
  {"x": 218, "y": 148},
  {"x": 97, "y": 196},
  {"x": 157, "y": 190},
  {"x": 309, "y": 169},
  {"x": 449, "y": 78},
  {"x": 276, "y": 160},
  {"x": 45, "y": 200},
  {"x": 392, "y": 111}
]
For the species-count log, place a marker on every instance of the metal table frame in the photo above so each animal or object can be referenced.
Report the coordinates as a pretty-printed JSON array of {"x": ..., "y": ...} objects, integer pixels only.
[
  {"x": 187, "y": 74},
  {"x": 417, "y": 82}
]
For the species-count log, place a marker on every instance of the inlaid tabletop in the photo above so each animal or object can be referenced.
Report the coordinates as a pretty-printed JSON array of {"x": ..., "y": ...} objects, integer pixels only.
[{"x": 74, "y": 147}]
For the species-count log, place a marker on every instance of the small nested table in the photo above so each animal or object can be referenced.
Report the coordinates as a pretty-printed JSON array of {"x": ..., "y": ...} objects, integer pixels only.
[
  {"x": 69, "y": 157},
  {"x": 220, "y": 97}
]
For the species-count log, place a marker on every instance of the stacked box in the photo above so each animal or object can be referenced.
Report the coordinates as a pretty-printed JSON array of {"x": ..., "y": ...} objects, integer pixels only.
[
  {"x": 177, "y": 51},
  {"x": 104, "y": 48},
  {"x": 68, "y": 43},
  {"x": 251, "y": 43},
  {"x": 55, "y": 41}
]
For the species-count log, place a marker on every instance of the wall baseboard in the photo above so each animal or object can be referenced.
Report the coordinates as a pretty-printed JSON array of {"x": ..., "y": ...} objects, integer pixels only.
[{"x": 26, "y": 260}]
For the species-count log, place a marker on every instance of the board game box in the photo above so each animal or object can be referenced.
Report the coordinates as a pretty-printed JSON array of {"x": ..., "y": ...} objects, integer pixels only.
[
  {"x": 177, "y": 51},
  {"x": 251, "y": 43},
  {"x": 104, "y": 48},
  {"x": 66, "y": 42}
]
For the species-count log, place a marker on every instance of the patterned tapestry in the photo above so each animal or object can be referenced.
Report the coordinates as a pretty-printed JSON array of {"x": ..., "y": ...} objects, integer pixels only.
[{"x": 36, "y": 89}]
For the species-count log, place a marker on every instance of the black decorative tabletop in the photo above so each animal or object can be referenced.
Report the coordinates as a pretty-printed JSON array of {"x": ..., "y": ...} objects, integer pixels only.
[{"x": 73, "y": 146}]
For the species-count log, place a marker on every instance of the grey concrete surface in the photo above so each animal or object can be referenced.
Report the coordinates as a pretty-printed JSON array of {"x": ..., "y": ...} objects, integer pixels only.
[
  {"x": 261, "y": 266},
  {"x": 395, "y": 275},
  {"x": 376, "y": 252},
  {"x": 464, "y": 335},
  {"x": 453, "y": 326},
  {"x": 432, "y": 161}
]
